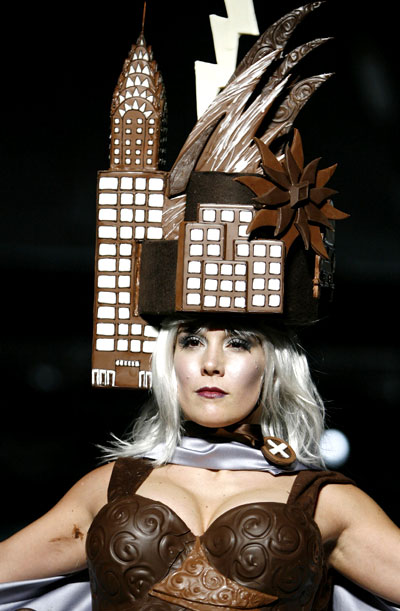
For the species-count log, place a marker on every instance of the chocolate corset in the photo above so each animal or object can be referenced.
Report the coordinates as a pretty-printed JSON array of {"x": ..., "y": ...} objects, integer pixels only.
[{"x": 265, "y": 555}]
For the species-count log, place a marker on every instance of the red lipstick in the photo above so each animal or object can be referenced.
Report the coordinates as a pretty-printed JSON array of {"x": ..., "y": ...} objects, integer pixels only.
[{"x": 211, "y": 392}]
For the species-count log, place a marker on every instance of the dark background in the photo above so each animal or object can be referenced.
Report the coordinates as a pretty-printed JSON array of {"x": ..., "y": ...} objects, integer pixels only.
[{"x": 58, "y": 75}]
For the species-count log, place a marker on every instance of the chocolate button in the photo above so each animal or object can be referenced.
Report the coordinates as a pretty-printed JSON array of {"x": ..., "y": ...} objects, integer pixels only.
[{"x": 278, "y": 452}]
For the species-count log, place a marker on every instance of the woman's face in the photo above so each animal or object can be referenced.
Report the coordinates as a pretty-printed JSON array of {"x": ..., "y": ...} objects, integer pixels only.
[{"x": 219, "y": 376}]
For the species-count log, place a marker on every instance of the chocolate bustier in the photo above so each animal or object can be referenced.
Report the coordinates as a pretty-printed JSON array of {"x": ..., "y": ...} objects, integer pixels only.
[{"x": 265, "y": 555}]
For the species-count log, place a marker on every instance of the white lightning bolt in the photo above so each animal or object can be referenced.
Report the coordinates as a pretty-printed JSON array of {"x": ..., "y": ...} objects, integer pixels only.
[{"x": 226, "y": 32}]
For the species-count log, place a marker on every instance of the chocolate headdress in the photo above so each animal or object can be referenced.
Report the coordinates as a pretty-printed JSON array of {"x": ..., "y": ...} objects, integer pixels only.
[{"x": 239, "y": 225}]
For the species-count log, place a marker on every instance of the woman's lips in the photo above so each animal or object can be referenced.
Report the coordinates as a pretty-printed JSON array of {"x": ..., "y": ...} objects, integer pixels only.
[{"x": 211, "y": 392}]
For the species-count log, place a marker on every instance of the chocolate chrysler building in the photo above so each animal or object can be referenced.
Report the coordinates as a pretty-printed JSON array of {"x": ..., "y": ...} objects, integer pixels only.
[{"x": 130, "y": 201}]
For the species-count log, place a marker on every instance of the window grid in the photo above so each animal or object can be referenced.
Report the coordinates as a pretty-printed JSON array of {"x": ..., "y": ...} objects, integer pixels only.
[
  {"x": 252, "y": 279},
  {"x": 130, "y": 209}
]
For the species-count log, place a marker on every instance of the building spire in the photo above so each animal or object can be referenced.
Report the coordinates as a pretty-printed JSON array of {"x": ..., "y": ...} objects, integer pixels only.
[
  {"x": 144, "y": 16},
  {"x": 137, "y": 111}
]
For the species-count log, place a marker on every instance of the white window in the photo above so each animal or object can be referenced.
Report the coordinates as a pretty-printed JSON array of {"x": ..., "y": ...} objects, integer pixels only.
[
  {"x": 108, "y": 233},
  {"x": 106, "y": 265},
  {"x": 240, "y": 269},
  {"x": 196, "y": 235},
  {"x": 108, "y": 199},
  {"x": 274, "y": 268},
  {"x": 228, "y": 216},
  {"x": 211, "y": 285},
  {"x": 194, "y": 267},
  {"x": 258, "y": 300},
  {"x": 226, "y": 285},
  {"x": 123, "y": 313},
  {"x": 258, "y": 284},
  {"x": 107, "y": 249},
  {"x": 126, "y": 199},
  {"x": 124, "y": 297},
  {"x": 106, "y": 297},
  {"x": 274, "y": 284},
  {"x": 156, "y": 200},
  {"x": 154, "y": 233},
  {"x": 140, "y": 199},
  {"x": 135, "y": 345},
  {"x": 193, "y": 298},
  {"x": 126, "y": 215},
  {"x": 105, "y": 345},
  {"x": 124, "y": 282},
  {"x": 275, "y": 251},
  {"x": 124, "y": 265},
  {"x": 274, "y": 301},
  {"x": 226, "y": 269},
  {"x": 108, "y": 182},
  {"x": 126, "y": 182},
  {"x": 148, "y": 346},
  {"x": 259, "y": 250},
  {"x": 211, "y": 269},
  {"x": 242, "y": 250},
  {"x": 105, "y": 328},
  {"x": 156, "y": 184},
  {"x": 125, "y": 233},
  {"x": 245, "y": 216},
  {"x": 106, "y": 282},
  {"x": 259, "y": 267},
  {"x": 125, "y": 250},
  {"x": 122, "y": 345},
  {"x": 240, "y": 302},
  {"x": 105, "y": 312},
  {"x": 209, "y": 216},
  {"x": 155, "y": 216},
  {"x": 140, "y": 184}
]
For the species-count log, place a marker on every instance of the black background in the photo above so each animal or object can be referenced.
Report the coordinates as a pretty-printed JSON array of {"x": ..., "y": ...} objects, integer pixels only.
[{"x": 58, "y": 74}]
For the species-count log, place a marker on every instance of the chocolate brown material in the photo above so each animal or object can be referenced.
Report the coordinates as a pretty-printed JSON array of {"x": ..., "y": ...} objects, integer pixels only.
[
  {"x": 139, "y": 94},
  {"x": 140, "y": 276},
  {"x": 278, "y": 452},
  {"x": 132, "y": 543},
  {"x": 139, "y": 550},
  {"x": 237, "y": 118},
  {"x": 200, "y": 587}
]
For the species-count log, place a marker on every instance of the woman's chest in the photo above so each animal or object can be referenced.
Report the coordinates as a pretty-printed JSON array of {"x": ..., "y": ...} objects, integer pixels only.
[
  {"x": 200, "y": 496},
  {"x": 135, "y": 544}
]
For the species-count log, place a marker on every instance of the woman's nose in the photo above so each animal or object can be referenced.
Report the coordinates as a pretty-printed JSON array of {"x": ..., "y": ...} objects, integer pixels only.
[{"x": 213, "y": 362}]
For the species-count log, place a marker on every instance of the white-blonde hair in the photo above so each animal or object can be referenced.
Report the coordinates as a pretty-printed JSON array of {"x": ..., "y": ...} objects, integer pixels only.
[{"x": 292, "y": 408}]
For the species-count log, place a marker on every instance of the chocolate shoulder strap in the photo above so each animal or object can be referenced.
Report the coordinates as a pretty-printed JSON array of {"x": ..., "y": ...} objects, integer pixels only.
[
  {"x": 308, "y": 484},
  {"x": 127, "y": 475}
]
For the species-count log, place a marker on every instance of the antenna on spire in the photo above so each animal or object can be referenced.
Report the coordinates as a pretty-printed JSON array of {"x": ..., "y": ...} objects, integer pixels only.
[{"x": 144, "y": 15}]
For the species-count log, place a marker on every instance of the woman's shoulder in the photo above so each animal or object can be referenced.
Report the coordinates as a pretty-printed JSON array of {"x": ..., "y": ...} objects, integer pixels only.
[
  {"x": 341, "y": 508},
  {"x": 92, "y": 487}
]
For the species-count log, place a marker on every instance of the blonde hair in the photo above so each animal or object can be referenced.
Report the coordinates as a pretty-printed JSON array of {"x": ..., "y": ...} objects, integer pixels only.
[{"x": 292, "y": 408}]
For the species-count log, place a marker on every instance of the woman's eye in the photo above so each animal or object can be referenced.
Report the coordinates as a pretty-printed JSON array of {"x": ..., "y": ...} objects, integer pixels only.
[
  {"x": 239, "y": 343},
  {"x": 189, "y": 341}
]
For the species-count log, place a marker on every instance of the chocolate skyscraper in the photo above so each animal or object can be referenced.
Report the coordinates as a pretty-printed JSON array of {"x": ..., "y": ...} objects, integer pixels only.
[{"x": 130, "y": 202}]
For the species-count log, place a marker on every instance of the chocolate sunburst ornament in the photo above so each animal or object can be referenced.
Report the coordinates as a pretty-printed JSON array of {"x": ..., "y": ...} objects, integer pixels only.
[{"x": 295, "y": 201}]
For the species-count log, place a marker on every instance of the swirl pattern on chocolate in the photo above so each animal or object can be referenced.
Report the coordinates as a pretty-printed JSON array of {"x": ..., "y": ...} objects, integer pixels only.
[
  {"x": 276, "y": 36},
  {"x": 198, "y": 584},
  {"x": 270, "y": 547},
  {"x": 142, "y": 556},
  {"x": 132, "y": 545}
]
